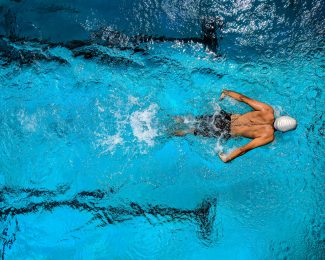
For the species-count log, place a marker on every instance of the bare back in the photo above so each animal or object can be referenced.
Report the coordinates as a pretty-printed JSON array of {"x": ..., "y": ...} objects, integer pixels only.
[
  {"x": 253, "y": 124},
  {"x": 257, "y": 125}
]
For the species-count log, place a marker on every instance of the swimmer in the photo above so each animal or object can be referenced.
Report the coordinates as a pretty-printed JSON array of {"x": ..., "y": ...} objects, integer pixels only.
[{"x": 258, "y": 125}]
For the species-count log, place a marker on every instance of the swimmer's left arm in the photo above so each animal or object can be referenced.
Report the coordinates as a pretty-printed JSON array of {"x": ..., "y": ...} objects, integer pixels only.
[
  {"x": 256, "y": 105},
  {"x": 244, "y": 149}
]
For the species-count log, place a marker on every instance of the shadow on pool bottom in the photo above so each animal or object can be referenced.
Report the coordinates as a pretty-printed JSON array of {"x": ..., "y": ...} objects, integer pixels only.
[{"x": 29, "y": 201}]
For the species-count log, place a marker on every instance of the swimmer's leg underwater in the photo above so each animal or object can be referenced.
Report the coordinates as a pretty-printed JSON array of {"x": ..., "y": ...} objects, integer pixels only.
[
  {"x": 183, "y": 132},
  {"x": 181, "y": 120},
  {"x": 195, "y": 126},
  {"x": 216, "y": 125}
]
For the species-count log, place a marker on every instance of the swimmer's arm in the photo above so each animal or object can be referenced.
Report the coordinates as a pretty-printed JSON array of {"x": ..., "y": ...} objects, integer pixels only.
[
  {"x": 256, "y": 105},
  {"x": 244, "y": 149}
]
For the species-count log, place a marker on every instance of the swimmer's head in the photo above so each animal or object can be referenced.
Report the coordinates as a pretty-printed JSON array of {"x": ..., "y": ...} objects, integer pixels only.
[{"x": 285, "y": 123}]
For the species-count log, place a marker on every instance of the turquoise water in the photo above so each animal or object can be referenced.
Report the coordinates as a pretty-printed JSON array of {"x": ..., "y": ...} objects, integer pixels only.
[{"x": 89, "y": 170}]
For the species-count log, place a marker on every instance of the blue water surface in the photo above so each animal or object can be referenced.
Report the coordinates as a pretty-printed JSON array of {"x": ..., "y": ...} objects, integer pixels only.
[{"x": 88, "y": 166}]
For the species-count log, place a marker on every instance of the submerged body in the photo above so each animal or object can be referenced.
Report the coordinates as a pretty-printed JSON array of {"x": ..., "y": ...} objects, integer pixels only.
[{"x": 257, "y": 125}]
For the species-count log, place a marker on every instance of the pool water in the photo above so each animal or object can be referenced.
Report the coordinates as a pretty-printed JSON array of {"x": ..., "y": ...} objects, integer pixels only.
[{"x": 89, "y": 168}]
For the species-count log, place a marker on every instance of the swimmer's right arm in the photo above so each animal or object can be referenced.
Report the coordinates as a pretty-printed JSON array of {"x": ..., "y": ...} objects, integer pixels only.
[
  {"x": 257, "y": 142},
  {"x": 257, "y": 105}
]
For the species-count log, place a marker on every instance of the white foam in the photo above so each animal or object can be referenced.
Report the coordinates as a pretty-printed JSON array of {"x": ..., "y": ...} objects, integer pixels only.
[
  {"x": 277, "y": 110},
  {"x": 189, "y": 120},
  {"x": 216, "y": 107},
  {"x": 232, "y": 101},
  {"x": 143, "y": 126},
  {"x": 133, "y": 100},
  {"x": 219, "y": 148},
  {"x": 29, "y": 122},
  {"x": 99, "y": 106},
  {"x": 109, "y": 143}
]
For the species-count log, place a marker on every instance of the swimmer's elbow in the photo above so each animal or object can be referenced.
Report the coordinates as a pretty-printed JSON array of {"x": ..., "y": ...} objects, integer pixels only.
[
  {"x": 268, "y": 140},
  {"x": 269, "y": 109}
]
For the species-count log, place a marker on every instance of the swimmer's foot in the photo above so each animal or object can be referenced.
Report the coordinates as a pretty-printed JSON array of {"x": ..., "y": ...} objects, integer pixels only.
[
  {"x": 183, "y": 132},
  {"x": 179, "y": 133},
  {"x": 178, "y": 119}
]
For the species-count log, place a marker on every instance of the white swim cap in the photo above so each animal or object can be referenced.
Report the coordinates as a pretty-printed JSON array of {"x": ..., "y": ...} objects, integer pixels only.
[{"x": 285, "y": 123}]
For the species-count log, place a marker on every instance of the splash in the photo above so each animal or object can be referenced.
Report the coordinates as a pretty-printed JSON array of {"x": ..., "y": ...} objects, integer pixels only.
[
  {"x": 109, "y": 143},
  {"x": 142, "y": 123},
  {"x": 278, "y": 111},
  {"x": 29, "y": 122}
]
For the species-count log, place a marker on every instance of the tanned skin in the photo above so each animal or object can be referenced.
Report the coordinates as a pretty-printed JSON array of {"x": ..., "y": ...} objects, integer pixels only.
[{"x": 256, "y": 125}]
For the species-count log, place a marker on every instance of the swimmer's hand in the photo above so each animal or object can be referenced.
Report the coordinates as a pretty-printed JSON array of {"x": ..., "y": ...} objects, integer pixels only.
[
  {"x": 223, "y": 157},
  {"x": 223, "y": 94}
]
